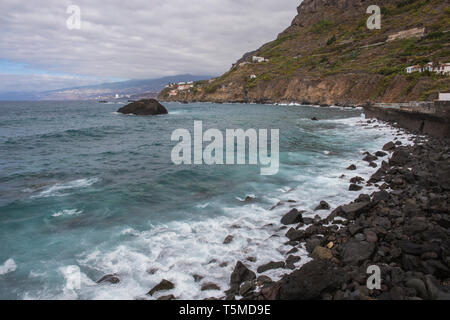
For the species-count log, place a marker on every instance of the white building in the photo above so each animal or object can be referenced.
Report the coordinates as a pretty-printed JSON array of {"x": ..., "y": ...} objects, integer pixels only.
[
  {"x": 412, "y": 69},
  {"x": 444, "y": 96},
  {"x": 443, "y": 68},
  {"x": 257, "y": 59}
]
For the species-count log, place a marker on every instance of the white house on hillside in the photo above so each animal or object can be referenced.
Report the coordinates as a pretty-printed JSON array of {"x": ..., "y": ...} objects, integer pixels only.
[
  {"x": 444, "y": 96},
  {"x": 257, "y": 59},
  {"x": 443, "y": 68}
]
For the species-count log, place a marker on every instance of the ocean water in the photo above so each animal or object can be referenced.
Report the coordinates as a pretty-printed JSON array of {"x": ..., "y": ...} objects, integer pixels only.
[{"x": 84, "y": 188}]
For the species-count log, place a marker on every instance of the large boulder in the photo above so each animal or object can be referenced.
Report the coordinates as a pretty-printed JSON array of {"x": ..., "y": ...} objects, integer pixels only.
[
  {"x": 146, "y": 107},
  {"x": 240, "y": 274},
  {"x": 292, "y": 217},
  {"x": 357, "y": 251},
  {"x": 311, "y": 281}
]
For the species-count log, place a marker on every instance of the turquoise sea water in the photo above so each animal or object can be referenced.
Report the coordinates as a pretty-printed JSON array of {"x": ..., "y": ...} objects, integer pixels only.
[{"x": 83, "y": 186}]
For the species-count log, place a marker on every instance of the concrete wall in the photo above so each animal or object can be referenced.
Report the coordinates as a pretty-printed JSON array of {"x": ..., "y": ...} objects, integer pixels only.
[{"x": 433, "y": 125}]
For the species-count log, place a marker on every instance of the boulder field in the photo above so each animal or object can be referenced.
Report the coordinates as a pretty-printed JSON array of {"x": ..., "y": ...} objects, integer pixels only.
[{"x": 403, "y": 229}]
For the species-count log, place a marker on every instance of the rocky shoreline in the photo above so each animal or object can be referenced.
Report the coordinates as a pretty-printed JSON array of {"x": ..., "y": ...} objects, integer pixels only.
[{"x": 403, "y": 229}]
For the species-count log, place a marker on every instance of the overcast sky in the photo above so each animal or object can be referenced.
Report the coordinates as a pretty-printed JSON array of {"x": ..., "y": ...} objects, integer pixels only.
[{"x": 130, "y": 39}]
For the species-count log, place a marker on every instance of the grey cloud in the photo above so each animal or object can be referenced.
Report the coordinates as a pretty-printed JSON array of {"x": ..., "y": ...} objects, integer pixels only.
[{"x": 139, "y": 38}]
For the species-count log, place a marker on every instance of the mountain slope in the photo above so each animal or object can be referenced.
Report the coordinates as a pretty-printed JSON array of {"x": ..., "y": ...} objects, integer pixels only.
[{"x": 329, "y": 56}]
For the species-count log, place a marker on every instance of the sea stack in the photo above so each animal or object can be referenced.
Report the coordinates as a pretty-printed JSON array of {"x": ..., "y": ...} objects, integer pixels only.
[{"x": 146, "y": 107}]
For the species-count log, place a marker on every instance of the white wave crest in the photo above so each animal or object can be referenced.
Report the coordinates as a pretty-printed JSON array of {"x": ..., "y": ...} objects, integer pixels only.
[{"x": 8, "y": 266}]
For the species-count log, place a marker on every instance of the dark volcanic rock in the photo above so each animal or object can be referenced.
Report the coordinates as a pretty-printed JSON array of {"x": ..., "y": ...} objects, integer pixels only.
[
  {"x": 370, "y": 158},
  {"x": 228, "y": 239},
  {"x": 271, "y": 265},
  {"x": 291, "y": 260},
  {"x": 311, "y": 281},
  {"x": 240, "y": 274},
  {"x": 399, "y": 158},
  {"x": 210, "y": 286},
  {"x": 389, "y": 146},
  {"x": 351, "y": 167},
  {"x": 322, "y": 206},
  {"x": 354, "y": 187},
  {"x": 292, "y": 217},
  {"x": 356, "y": 180},
  {"x": 356, "y": 251},
  {"x": 380, "y": 154},
  {"x": 350, "y": 211},
  {"x": 295, "y": 235},
  {"x": 162, "y": 286},
  {"x": 147, "y": 107},
  {"x": 110, "y": 278}
]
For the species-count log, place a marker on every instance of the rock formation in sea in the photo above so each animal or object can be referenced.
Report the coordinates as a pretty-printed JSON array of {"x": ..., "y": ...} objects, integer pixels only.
[{"x": 145, "y": 107}]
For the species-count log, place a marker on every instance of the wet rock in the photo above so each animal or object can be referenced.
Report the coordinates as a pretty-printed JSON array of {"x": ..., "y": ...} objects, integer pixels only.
[
  {"x": 370, "y": 158},
  {"x": 240, "y": 274},
  {"x": 419, "y": 286},
  {"x": 350, "y": 211},
  {"x": 295, "y": 235},
  {"x": 109, "y": 278},
  {"x": 210, "y": 286},
  {"x": 322, "y": 253},
  {"x": 399, "y": 158},
  {"x": 356, "y": 180},
  {"x": 292, "y": 217},
  {"x": 228, "y": 239},
  {"x": 197, "y": 278},
  {"x": 418, "y": 249},
  {"x": 167, "y": 298},
  {"x": 311, "y": 280},
  {"x": 354, "y": 187},
  {"x": 263, "y": 280},
  {"x": 363, "y": 198},
  {"x": 357, "y": 251},
  {"x": 291, "y": 260},
  {"x": 314, "y": 119},
  {"x": 271, "y": 265},
  {"x": 371, "y": 236},
  {"x": 164, "y": 285},
  {"x": 144, "y": 107},
  {"x": 246, "y": 287},
  {"x": 322, "y": 206},
  {"x": 373, "y": 164},
  {"x": 352, "y": 167},
  {"x": 271, "y": 292},
  {"x": 380, "y": 154},
  {"x": 389, "y": 146},
  {"x": 381, "y": 196}
]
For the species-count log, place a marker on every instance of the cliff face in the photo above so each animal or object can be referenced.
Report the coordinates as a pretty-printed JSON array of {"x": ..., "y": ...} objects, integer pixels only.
[{"x": 329, "y": 56}]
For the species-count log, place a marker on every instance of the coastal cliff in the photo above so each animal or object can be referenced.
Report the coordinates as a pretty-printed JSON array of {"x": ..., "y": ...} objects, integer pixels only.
[{"x": 329, "y": 56}]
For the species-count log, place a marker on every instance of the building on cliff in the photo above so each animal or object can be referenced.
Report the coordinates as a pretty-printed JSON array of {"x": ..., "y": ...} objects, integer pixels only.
[
  {"x": 257, "y": 59},
  {"x": 442, "y": 68}
]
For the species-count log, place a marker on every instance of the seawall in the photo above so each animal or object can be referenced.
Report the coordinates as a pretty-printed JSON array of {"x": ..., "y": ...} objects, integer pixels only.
[{"x": 434, "y": 120}]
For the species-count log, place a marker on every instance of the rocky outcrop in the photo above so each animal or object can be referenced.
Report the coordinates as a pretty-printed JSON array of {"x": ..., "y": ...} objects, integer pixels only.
[{"x": 144, "y": 108}]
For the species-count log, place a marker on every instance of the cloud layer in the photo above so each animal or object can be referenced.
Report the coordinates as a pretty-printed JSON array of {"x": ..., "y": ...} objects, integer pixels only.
[{"x": 139, "y": 38}]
